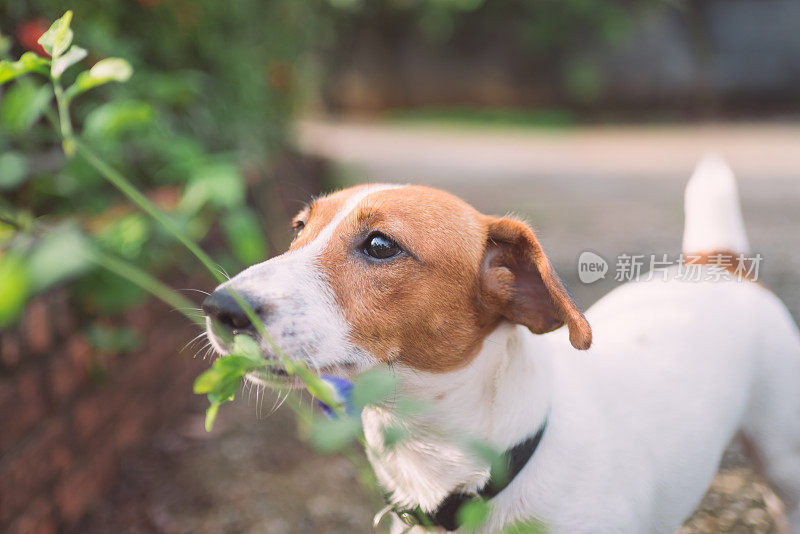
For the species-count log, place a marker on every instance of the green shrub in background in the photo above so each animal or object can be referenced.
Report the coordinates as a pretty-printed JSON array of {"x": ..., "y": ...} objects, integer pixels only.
[
  {"x": 549, "y": 40},
  {"x": 214, "y": 86}
]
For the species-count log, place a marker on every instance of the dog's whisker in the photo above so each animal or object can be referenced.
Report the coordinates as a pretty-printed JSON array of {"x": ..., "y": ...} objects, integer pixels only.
[
  {"x": 195, "y": 290},
  {"x": 203, "y": 347},
  {"x": 193, "y": 340},
  {"x": 221, "y": 270}
]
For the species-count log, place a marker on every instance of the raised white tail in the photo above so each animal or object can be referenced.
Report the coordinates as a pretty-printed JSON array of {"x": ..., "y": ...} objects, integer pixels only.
[{"x": 713, "y": 218}]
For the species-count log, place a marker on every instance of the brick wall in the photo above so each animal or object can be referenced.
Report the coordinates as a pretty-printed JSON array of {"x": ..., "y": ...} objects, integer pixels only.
[{"x": 63, "y": 430}]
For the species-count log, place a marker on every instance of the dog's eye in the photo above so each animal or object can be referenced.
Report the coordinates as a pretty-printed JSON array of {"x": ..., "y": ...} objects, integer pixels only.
[
  {"x": 381, "y": 247},
  {"x": 298, "y": 226}
]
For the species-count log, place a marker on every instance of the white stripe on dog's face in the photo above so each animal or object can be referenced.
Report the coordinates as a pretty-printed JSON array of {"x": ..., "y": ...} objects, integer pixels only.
[
  {"x": 322, "y": 239},
  {"x": 299, "y": 309}
]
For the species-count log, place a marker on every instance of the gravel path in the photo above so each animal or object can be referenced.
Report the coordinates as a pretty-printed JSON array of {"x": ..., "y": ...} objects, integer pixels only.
[{"x": 608, "y": 190}]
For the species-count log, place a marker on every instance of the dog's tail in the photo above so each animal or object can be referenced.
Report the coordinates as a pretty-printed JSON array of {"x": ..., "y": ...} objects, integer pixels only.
[{"x": 713, "y": 218}]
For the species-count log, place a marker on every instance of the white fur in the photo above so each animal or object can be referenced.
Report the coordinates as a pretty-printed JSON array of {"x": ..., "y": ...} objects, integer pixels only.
[
  {"x": 303, "y": 318},
  {"x": 713, "y": 218},
  {"x": 638, "y": 423}
]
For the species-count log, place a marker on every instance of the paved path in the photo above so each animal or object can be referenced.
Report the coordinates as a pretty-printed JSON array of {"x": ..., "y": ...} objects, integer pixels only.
[
  {"x": 612, "y": 190},
  {"x": 757, "y": 150}
]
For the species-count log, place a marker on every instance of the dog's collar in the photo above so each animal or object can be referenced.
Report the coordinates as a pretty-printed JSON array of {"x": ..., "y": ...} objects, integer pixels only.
[{"x": 446, "y": 515}]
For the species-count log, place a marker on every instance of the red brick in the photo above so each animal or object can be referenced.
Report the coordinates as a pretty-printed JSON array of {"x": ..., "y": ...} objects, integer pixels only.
[
  {"x": 94, "y": 412},
  {"x": 38, "y": 518},
  {"x": 141, "y": 318},
  {"x": 79, "y": 351},
  {"x": 62, "y": 315},
  {"x": 36, "y": 327},
  {"x": 37, "y": 463},
  {"x": 10, "y": 349},
  {"x": 23, "y": 405},
  {"x": 64, "y": 377},
  {"x": 76, "y": 491},
  {"x": 130, "y": 430},
  {"x": 86, "y": 417}
]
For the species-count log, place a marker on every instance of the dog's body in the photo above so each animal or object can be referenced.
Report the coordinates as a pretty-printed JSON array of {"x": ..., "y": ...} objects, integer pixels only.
[{"x": 636, "y": 426}]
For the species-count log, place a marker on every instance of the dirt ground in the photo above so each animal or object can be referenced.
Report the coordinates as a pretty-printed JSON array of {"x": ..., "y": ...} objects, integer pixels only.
[{"x": 252, "y": 475}]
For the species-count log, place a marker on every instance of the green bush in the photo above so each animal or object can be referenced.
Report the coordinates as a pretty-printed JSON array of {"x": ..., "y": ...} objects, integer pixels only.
[{"x": 214, "y": 86}]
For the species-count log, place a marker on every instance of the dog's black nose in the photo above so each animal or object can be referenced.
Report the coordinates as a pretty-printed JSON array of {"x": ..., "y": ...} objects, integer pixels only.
[{"x": 223, "y": 308}]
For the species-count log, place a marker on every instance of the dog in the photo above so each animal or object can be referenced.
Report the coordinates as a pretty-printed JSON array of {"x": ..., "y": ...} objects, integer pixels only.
[{"x": 614, "y": 428}]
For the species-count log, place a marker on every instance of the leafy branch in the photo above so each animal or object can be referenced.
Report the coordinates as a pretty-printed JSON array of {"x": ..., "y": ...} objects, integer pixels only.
[{"x": 221, "y": 382}]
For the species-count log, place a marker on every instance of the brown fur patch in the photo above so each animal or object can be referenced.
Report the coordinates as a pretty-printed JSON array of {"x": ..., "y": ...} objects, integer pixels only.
[
  {"x": 320, "y": 213},
  {"x": 524, "y": 286},
  {"x": 739, "y": 265},
  {"x": 429, "y": 307}
]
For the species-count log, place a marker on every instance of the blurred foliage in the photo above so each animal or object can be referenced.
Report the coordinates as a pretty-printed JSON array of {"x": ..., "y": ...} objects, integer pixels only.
[
  {"x": 213, "y": 81},
  {"x": 552, "y": 39},
  {"x": 465, "y": 117}
]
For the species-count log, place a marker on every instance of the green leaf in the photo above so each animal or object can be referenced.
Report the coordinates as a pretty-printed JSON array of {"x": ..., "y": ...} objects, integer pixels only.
[
  {"x": 62, "y": 63},
  {"x": 23, "y": 104},
  {"x": 218, "y": 183},
  {"x": 5, "y": 44},
  {"x": 107, "y": 70},
  {"x": 224, "y": 371},
  {"x": 211, "y": 416},
  {"x": 320, "y": 389},
  {"x": 373, "y": 387},
  {"x": 473, "y": 514},
  {"x": 57, "y": 39},
  {"x": 109, "y": 121},
  {"x": 235, "y": 364},
  {"x": 525, "y": 527},
  {"x": 13, "y": 169},
  {"x": 9, "y": 70},
  {"x": 126, "y": 236},
  {"x": 245, "y": 236},
  {"x": 14, "y": 286},
  {"x": 113, "y": 340},
  {"x": 29, "y": 62},
  {"x": 61, "y": 253},
  {"x": 331, "y": 435},
  {"x": 206, "y": 381},
  {"x": 225, "y": 390},
  {"x": 247, "y": 347},
  {"x": 33, "y": 62}
]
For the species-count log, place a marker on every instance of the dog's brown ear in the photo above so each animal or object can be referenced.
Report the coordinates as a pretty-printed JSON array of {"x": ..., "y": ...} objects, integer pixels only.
[{"x": 518, "y": 282}]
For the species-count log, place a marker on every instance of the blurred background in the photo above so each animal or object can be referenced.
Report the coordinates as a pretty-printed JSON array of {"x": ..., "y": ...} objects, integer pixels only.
[{"x": 584, "y": 116}]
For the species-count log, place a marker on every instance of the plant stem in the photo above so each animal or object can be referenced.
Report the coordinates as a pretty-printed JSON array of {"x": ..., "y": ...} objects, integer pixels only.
[
  {"x": 153, "y": 286},
  {"x": 146, "y": 205},
  {"x": 133, "y": 194},
  {"x": 67, "y": 136}
]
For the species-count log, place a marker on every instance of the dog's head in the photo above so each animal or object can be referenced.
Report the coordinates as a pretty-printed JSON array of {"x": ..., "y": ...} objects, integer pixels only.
[{"x": 401, "y": 274}]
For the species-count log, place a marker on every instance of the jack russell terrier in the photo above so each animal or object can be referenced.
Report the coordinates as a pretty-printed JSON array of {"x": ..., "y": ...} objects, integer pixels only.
[{"x": 617, "y": 428}]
